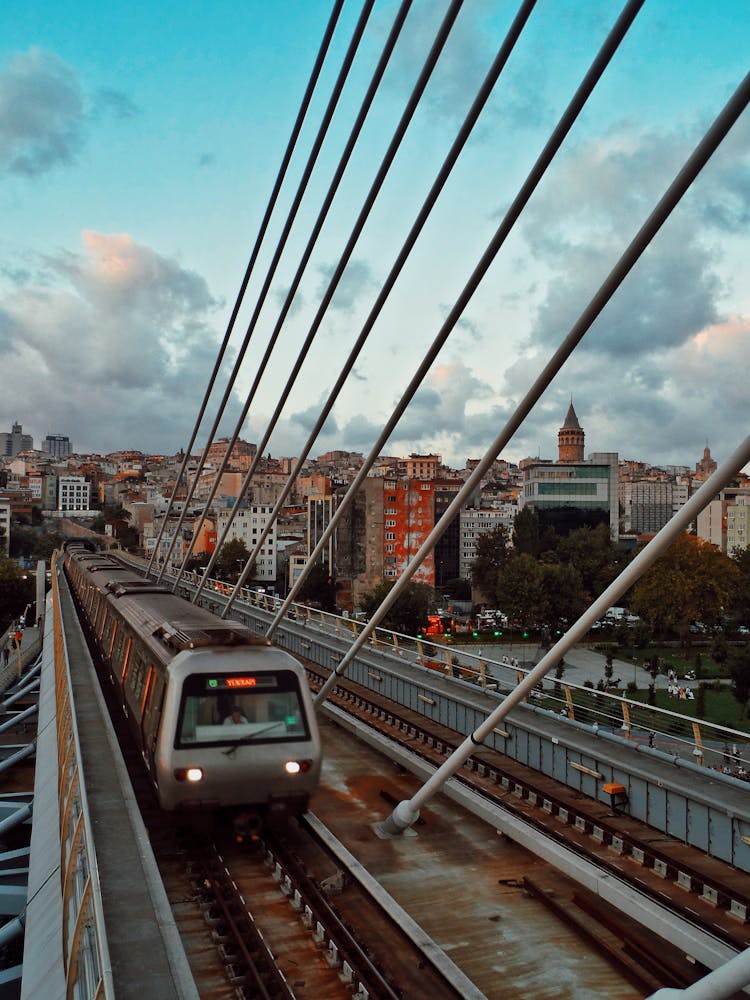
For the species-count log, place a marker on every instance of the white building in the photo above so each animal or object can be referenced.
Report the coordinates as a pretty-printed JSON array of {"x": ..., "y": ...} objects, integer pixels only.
[
  {"x": 738, "y": 523},
  {"x": 725, "y": 521},
  {"x": 73, "y": 495},
  {"x": 248, "y": 525},
  {"x": 475, "y": 522}
]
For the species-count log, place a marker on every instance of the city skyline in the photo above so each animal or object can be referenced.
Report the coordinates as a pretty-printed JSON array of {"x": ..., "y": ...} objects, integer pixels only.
[
  {"x": 551, "y": 456},
  {"x": 138, "y": 148}
]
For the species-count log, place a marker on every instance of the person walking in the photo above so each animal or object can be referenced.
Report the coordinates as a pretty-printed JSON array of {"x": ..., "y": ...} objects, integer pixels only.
[{"x": 6, "y": 654}]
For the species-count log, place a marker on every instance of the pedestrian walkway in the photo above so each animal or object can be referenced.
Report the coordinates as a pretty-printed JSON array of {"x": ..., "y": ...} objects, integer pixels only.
[{"x": 10, "y": 669}]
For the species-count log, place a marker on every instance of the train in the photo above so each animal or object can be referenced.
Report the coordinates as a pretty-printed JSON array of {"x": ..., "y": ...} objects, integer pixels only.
[{"x": 223, "y": 719}]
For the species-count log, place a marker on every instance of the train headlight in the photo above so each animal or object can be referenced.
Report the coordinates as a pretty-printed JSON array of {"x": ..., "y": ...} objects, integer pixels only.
[
  {"x": 296, "y": 766},
  {"x": 191, "y": 774}
]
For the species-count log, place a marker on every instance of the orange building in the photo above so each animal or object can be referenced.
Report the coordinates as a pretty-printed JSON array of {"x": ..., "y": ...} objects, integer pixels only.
[{"x": 408, "y": 518}]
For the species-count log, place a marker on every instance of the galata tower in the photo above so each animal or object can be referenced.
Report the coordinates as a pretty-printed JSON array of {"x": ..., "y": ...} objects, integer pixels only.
[{"x": 570, "y": 438}]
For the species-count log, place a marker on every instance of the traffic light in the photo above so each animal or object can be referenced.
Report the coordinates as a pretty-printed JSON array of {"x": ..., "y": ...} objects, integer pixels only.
[
  {"x": 497, "y": 632},
  {"x": 475, "y": 635},
  {"x": 525, "y": 634}
]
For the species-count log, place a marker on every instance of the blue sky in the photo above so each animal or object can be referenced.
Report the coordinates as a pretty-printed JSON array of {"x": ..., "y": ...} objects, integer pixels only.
[{"x": 138, "y": 146}]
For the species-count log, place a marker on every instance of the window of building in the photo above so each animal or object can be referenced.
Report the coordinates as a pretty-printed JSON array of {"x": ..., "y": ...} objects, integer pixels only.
[{"x": 390, "y": 536}]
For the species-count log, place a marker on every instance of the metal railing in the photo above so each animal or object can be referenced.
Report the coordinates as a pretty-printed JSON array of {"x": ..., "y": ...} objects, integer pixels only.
[
  {"x": 85, "y": 952},
  {"x": 704, "y": 743}
]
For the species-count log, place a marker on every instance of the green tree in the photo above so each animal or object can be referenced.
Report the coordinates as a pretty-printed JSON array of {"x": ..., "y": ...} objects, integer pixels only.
[
  {"x": 565, "y": 598},
  {"x": 16, "y": 591},
  {"x": 196, "y": 563},
  {"x": 459, "y": 588},
  {"x": 691, "y": 581},
  {"x": 30, "y": 543},
  {"x": 409, "y": 614},
  {"x": 739, "y": 671},
  {"x": 521, "y": 591},
  {"x": 319, "y": 589},
  {"x": 492, "y": 556},
  {"x": 596, "y": 558},
  {"x": 526, "y": 532},
  {"x": 739, "y": 607},
  {"x": 231, "y": 560}
]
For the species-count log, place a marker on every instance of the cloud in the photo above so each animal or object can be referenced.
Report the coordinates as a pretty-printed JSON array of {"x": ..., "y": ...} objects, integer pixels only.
[
  {"x": 357, "y": 280},
  {"x": 42, "y": 114},
  {"x": 308, "y": 418},
  {"x": 116, "y": 103},
  {"x": 45, "y": 113},
  {"x": 585, "y": 216},
  {"x": 116, "y": 341}
]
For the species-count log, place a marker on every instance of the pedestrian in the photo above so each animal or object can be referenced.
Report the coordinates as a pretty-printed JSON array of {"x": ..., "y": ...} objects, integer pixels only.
[
  {"x": 727, "y": 758},
  {"x": 6, "y": 655},
  {"x": 18, "y": 637},
  {"x": 650, "y": 739}
]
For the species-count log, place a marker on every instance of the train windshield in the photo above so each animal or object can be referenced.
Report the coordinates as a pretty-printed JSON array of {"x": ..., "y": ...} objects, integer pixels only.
[{"x": 233, "y": 708}]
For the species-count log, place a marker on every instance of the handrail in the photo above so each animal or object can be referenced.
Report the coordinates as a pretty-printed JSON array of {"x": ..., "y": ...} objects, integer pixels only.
[{"x": 85, "y": 953}]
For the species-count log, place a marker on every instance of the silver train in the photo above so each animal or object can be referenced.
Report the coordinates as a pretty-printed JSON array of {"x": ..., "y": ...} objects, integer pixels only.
[{"x": 224, "y": 720}]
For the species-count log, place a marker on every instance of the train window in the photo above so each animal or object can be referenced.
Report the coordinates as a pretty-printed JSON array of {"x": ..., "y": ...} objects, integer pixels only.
[
  {"x": 147, "y": 687},
  {"x": 112, "y": 635},
  {"x": 125, "y": 660},
  {"x": 220, "y": 709},
  {"x": 136, "y": 677}
]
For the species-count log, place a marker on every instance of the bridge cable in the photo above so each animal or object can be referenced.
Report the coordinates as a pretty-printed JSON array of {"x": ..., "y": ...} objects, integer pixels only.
[
  {"x": 545, "y": 158},
  {"x": 281, "y": 243},
  {"x": 459, "y": 142},
  {"x": 297, "y": 127},
  {"x": 640, "y": 242},
  {"x": 385, "y": 165}
]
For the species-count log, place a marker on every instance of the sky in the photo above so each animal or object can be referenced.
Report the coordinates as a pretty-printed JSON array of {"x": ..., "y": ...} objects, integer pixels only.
[{"x": 140, "y": 142}]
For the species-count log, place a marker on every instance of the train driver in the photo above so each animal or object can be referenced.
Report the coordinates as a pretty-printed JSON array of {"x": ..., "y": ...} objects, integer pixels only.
[{"x": 236, "y": 717}]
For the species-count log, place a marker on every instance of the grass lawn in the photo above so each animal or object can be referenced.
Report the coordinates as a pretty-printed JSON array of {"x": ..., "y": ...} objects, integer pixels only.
[{"x": 722, "y": 708}]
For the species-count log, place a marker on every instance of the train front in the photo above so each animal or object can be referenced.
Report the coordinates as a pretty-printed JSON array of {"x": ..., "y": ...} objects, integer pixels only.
[{"x": 239, "y": 735}]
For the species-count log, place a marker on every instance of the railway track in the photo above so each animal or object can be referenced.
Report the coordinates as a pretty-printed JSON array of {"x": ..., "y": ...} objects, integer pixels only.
[
  {"x": 707, "y": 892},
  {"x": 259, "y": 919},
  {"x": 250, "y": 930}
]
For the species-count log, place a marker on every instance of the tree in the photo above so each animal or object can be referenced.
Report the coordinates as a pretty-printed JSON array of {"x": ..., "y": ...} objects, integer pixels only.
[
  {"x": 691, "y": 581},
  {"x": 409, "y": 614},
  {"x": 196, "y": 563},
  {"x": 231, "y": 560},
  {"x": 319, "y": 589},
  {"x": 740, "y": 603},
  {"x": 521, "y": 591},
  {"x": 492, "y": 556},
  {"x": 526, "y": 534},
  {"x": 739, "y": 671},
  {"x": 29, "y": 543},
  {"x": 595, "y": 556},
  {"x": 16, "y": 591},
  {"x": 459, "y": 588}
]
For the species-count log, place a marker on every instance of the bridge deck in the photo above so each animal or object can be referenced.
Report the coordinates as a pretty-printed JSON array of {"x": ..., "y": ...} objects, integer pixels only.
[{"x": 147, "y": 958}]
